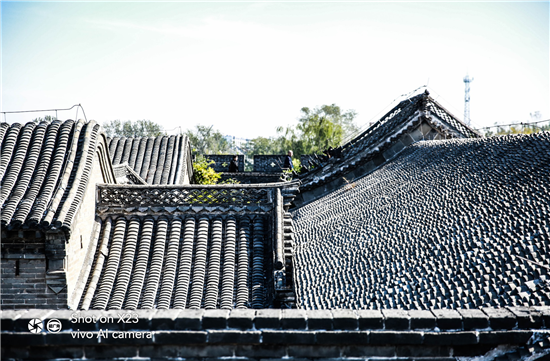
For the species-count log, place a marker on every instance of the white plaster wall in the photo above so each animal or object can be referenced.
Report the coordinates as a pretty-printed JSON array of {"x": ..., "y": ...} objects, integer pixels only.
[{"x": 82, "y": 234}]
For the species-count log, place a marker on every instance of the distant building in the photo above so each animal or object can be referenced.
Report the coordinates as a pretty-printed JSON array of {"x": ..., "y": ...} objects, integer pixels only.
[{"x": 237, "y": 143}]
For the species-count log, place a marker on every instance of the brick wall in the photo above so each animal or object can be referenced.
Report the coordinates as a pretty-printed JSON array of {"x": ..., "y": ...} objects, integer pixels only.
[
  {"x": 23, "y": 283},
  {"x": 252, "y": 177},
  {"x": 25, "y": 280},
  {"x": 222, "y": 161},
  {"x": 280, "y": 334},
  {"x": 269, "y": 163}
]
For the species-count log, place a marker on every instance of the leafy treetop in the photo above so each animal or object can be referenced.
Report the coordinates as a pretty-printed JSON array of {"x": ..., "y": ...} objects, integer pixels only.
[
  {"x": 129, "y": 129},
  {"x": 317, "y": 130},
  {"x": 203, "y": 172},
  {"x": 206, "y": 140},
  {"x": 47, "y": 118}
]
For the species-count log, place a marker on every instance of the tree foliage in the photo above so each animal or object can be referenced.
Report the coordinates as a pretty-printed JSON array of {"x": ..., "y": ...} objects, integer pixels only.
[
  {"x": 205, "y": 140},
  {"x": 129, "y": 129},
  {"x": 203, "y": 172},
  {"x": 517, "y": 129},
  {"x": 326, "y": 126},
  {"x": 47, "y": 118},
  {"x": 317, "y": 130},
  {"x": 262, "y": 146}
]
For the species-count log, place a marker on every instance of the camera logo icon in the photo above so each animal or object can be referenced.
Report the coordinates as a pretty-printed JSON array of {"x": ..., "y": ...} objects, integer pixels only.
[
  {"x": 53, "y": 325},
  {"x": 36, "y": 325}
]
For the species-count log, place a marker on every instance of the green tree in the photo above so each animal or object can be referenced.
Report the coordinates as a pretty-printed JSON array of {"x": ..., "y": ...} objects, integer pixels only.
[
  {"x": 203, "y": 172},
  {"x": 262, "y": 145},
  {"x": 129, "y": 129},
  {"x": 317, "y": 130},
  {"x": 206, "y": 140}
]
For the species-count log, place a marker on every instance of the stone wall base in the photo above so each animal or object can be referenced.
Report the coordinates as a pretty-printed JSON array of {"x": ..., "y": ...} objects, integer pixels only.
[{"x": 272, "y": 334}]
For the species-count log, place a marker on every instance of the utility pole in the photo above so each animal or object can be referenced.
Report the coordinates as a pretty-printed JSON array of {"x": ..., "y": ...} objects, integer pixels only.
[{"x": 467, "y": 81}]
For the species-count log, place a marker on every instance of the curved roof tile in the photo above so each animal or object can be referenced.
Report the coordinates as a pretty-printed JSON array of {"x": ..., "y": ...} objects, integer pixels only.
[
  {"x": 158, "y": 160},
  {"x": 45, "y": 171},
  {"x": 186, "y": 261}
]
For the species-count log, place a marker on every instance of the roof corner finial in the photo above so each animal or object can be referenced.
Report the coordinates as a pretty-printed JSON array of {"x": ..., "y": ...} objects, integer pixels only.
[{"x": 426, "y": 92}]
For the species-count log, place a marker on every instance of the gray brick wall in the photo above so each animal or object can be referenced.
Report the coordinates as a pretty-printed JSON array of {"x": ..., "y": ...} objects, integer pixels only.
[
  {"x": 269, "y": 163},
  {"x": 222, "y": 161},
  {"x": 252, "y": 177},
  {"x": 24, "y": 285},
  {"x": 25, "y": 280}
]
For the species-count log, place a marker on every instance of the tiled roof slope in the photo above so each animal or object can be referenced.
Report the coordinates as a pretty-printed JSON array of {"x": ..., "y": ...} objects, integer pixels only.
[
  {"x": 404, "y": 117},
  {"x": 179, "y": 262},
  {"x": 185, "y": 247},
  {"x": 459, "y": 223},
  {"x": 158, "y": 160},
  {"x": 45, "y": 170}
]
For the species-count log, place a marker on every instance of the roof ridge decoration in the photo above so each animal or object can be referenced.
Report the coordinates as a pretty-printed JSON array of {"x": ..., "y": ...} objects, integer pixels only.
[
  {"x": 423, "y": 102},
  {"x": 45, "y": 171},
  {"x": 385, "y": 138},
  {"x": 437, "y": 109},
  {"x": 226, "y": 195}
]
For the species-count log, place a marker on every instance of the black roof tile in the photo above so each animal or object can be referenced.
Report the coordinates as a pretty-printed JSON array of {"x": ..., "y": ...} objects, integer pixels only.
[
  {"x": 459, "y": 223},
  {"x": 182, "y": 247}
]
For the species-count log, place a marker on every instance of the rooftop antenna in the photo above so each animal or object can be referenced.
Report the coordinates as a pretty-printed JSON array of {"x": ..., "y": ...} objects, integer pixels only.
[{"x": 467, "y": 81}]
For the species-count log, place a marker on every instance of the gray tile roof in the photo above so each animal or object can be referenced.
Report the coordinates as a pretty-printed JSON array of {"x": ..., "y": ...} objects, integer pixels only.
[
  {"x": 459, "y": 223},
  {"x": 186, "y": 246},
  {"x": 178, "y": 262},
  {"x": 157, "y": 160},
  {"x": 45, "y": 170}
]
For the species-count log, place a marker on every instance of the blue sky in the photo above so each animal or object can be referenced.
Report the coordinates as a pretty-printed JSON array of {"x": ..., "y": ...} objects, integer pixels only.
[{"x": 248, "y": 67}]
